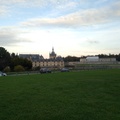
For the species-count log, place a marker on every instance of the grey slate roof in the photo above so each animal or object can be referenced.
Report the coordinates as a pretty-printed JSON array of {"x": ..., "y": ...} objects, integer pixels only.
[
  {"x": 32, "y": 57},
  {"x": 39, "y": 58}
]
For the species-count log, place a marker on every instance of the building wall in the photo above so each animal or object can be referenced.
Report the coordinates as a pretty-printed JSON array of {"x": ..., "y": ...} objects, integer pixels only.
[
  {"x": 107, "y": 59},
  {"x": 73, "y": 63},
  {"x": 50, "y": 64},
  {"x": 92, "y": 59},
  {"x": 97, "y": 60},
  {"x": 83, "y": 60}
]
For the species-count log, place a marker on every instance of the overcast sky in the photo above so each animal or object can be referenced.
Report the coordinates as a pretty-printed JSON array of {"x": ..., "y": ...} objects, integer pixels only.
[{"x": 72, "y": 27}]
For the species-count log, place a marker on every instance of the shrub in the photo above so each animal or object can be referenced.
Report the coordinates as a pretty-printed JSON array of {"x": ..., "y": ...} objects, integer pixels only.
[
  {"x": 19, "y": 68},
  {"x": 7, "y": 69}
]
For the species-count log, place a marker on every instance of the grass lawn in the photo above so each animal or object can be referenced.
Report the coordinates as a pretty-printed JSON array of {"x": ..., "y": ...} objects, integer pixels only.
[{"x": 83, "y": 95}]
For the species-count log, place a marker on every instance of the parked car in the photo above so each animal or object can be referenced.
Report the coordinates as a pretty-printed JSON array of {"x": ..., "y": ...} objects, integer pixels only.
[
  {"x": 2, "y": 74},
  {"x": 45, "y": 70},
  {"x": 64, "y": 70}
]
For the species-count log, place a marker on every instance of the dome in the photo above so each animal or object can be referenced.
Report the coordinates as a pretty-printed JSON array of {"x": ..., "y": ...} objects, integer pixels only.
[{"x": 52, "y": 54}]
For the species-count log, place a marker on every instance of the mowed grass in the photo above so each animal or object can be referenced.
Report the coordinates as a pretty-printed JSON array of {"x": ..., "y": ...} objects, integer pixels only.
[{"x": 83, "y": 95}]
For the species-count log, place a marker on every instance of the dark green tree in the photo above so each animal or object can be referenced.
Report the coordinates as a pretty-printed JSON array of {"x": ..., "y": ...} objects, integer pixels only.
[
  {"x": 20, "y": 61},
  {"x": 27, "y": 64},
  {"x": 4, "y": 58},
  {"x": 71, "y": 59},
  {"x": 19, "y": 68},
  {"x": 7, "y": 69},
  {"x": 118, "y": 57}
]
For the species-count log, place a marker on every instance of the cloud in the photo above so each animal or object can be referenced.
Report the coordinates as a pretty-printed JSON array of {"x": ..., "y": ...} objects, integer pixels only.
[
  {"x": 54, "y": 4},
  {"x": 30, "y": 3},
  {"x": 64, "y": 6},
  {"x": 9, "y": 6},
  {"x": 3, "y": 10},
  {"x": 9, "y": 36},
  {"x": 80, "y": 18},
  {"x": 93, "y": 41},
  {"x": 8, "y": 2}
]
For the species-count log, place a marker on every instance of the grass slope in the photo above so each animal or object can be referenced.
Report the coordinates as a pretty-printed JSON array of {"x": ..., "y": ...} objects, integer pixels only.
[{"x": 85, "y": 95}]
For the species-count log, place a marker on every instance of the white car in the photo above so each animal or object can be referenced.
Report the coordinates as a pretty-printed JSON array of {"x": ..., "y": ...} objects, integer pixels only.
[{"x": 2, "y": 74}]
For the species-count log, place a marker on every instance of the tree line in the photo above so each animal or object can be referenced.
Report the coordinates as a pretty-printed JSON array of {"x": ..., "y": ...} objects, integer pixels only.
[
  {"x": 117, "y": 56},
  {"x": 12, "y": 62},
  {"x": 74, "y": 58}
]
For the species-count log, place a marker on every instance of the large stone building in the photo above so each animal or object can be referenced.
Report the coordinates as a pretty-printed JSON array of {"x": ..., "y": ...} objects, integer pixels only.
[{"x": 54, "y": 61}]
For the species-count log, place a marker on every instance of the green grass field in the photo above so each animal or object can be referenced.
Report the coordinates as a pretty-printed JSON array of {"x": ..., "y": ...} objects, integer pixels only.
[{"x": 83, "y": 95}]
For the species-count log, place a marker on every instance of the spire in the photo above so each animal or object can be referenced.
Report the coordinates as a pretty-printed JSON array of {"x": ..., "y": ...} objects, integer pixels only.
[{"x": 52, "y": 49}]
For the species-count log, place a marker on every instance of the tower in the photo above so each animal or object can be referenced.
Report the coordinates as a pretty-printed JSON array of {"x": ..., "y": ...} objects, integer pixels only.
[{"x": 52, "y": 55}]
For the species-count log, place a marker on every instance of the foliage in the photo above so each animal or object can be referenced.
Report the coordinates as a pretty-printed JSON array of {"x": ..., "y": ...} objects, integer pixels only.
[
  {"x": 21, "y": 61},
  {"x": 27, "y": 64},
  {"x": 7, "y": 69},
  {"x": 117, "y": 56},
  {"x": 84, "y": 95},
  {"x": 12, "y": 60},
  {"x": 4, "y": 58},
  {"x": 74, "y": 58},
  {"x": 19, "y": 68},
  {"x": 36, "y": 68},
  {"x": 71, "y": 59},
  {"x": 110, "y": 56}
]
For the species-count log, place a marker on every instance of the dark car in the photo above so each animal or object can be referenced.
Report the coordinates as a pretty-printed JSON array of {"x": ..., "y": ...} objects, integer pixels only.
[
  {"x": 45, "y": 70},
  {"x": 64, "y": 70}
]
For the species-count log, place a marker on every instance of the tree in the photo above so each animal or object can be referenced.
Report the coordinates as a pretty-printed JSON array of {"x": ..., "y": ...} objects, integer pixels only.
[
  {"x": 118, "y": 57},
  {"x": 19, "y": 68},
  {"x": 71, "y": 59},
  {"x": 4, "y": 58},
  {"x": 15, "y": 60},
  {"x": 7, "y": 69},
  {"x": 13, "y": 55},
  {"x": 27, "y": 64}
]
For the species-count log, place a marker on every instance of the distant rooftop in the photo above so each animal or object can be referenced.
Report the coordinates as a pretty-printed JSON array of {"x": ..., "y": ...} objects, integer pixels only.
[{"x": 32, "y": 57}]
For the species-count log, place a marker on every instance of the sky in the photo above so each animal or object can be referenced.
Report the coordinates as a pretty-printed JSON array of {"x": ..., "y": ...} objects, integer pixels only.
[{"x": 72, "y": 27}]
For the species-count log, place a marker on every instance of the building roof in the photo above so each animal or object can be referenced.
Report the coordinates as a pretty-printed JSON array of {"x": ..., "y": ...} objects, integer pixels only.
[
  {"x": 52, "y": 53},
  {"x": 40, "y": 58},
  {"x": 32, "y": 57}
]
